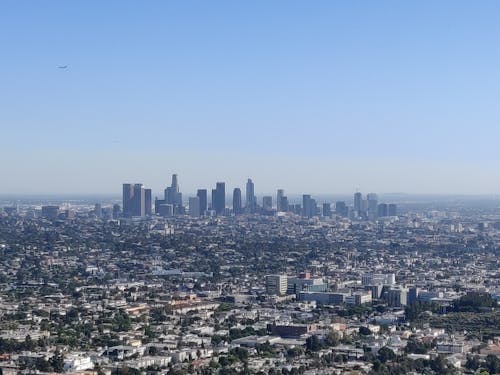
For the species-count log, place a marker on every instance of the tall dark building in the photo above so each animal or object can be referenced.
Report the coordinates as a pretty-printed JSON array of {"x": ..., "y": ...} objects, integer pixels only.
[
  {"x": 220, "y": 198},
  {"x": 372, "y": 202},
  {"x": 327, "y": 210},
  {"x": 134, "y": 200},
  {"x": 214, "y": 199},
  {"x": 279, "y": 196},
  {"x": 148, "y": 202},
  {"x": 382, "y": 210},
  {"x": 139, "y": 201},
  {"x": 358, "y": 202},
  {"x": 308, "y": 206},
  {"x": 202, "y": 194},
  {"x": 116, "y": 211},
  {"x": 250, "y": 196},
  {"x": 267, "y": 203},
  {"x": 237, "y": 205},
  {"x": 341, "y": 208},
  {"x": 392, "y": 209},
  {"x": 284, "y": 206},
  {"x": 128, "y": 194},
  {"x": 194, "y": 206}
]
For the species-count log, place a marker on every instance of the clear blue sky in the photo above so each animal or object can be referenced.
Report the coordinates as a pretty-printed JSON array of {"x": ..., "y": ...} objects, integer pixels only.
[{"x": 311, "y": 96}]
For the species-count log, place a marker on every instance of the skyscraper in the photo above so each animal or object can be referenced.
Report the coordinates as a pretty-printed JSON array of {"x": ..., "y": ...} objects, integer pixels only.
[
  {"x": 279, "y": 197},
  {"x": 175, "y": 184},
  {"x": 116, "y": 211},
  {"x": 214, "y": 199},
  {"x": 382, "y": 210},
  {"x": 172, "y": 194},
  {"x": 202, "y": 194},
  {"x": 284, "y": 206},
  {"x": 134, "y": 200},
  {"x": 392, "y": 209},
  {"x": 267, "y": 203},
  {"x": 372, "y": 202},
  {"x": 220, "y": 198},
  {"x": 194, "y": 206},
  {"x": 250, "y": 196},
  {"x": 148, "y": 202},
  {"x": 358, "y": 202},
  {"x": 237, "y": 206},
  {"x": 308, "y": 206},
  {"x": 127, "y": 196},
  {"x": 139, "y": 201},
  {"x": 341, "y": 208},
  {"x": 327, "y": 210}
]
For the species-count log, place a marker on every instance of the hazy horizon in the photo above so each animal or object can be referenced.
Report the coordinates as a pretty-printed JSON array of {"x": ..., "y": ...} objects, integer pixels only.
[{"x": 310, "y": 97}]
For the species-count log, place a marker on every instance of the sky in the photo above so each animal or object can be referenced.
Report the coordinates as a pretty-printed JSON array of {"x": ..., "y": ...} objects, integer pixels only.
[{"x": 310, "y": 96}]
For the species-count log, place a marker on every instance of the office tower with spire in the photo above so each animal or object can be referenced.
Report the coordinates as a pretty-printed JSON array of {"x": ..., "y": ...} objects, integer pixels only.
[
  {"x": 173, "y": 196},
  {"x": 237, "y": 205},
  {"x": 250, "y": 196}
]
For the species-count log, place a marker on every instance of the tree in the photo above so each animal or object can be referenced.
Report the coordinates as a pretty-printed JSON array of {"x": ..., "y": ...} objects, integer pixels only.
[
  {"x": 418, "y": 347},
  {"x": 472, "y": 362},
  {"x": 493, "y": 364},
  {"x": 294, "y": 352},
  {"x": 313, "y": 344},
  {"x": 332, "y": 339},
  {"x": 57, "y": 361},
  {"x": 439, "y": 364},
  {"x": 42, "y": 365},
  {"x": 365, "y": 331},
  {"x": 474, "y": 302},
  {"x": 241, "y": 353},
  {"x": 376, "y": 365},
  {"x": 121, "y": 322},
  {"x": 385, "y": 354}
]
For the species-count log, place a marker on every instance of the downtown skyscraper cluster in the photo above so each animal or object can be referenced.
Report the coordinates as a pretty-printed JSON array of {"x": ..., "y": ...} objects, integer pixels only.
[{"x": 137, "y": 202}]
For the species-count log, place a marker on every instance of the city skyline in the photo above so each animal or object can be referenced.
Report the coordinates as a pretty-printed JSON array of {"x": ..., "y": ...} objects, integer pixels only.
[
  {"x": 234, "y": 90},
  {"x": 267, "y": 187},
  {"x": 137, "y": 202}
]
